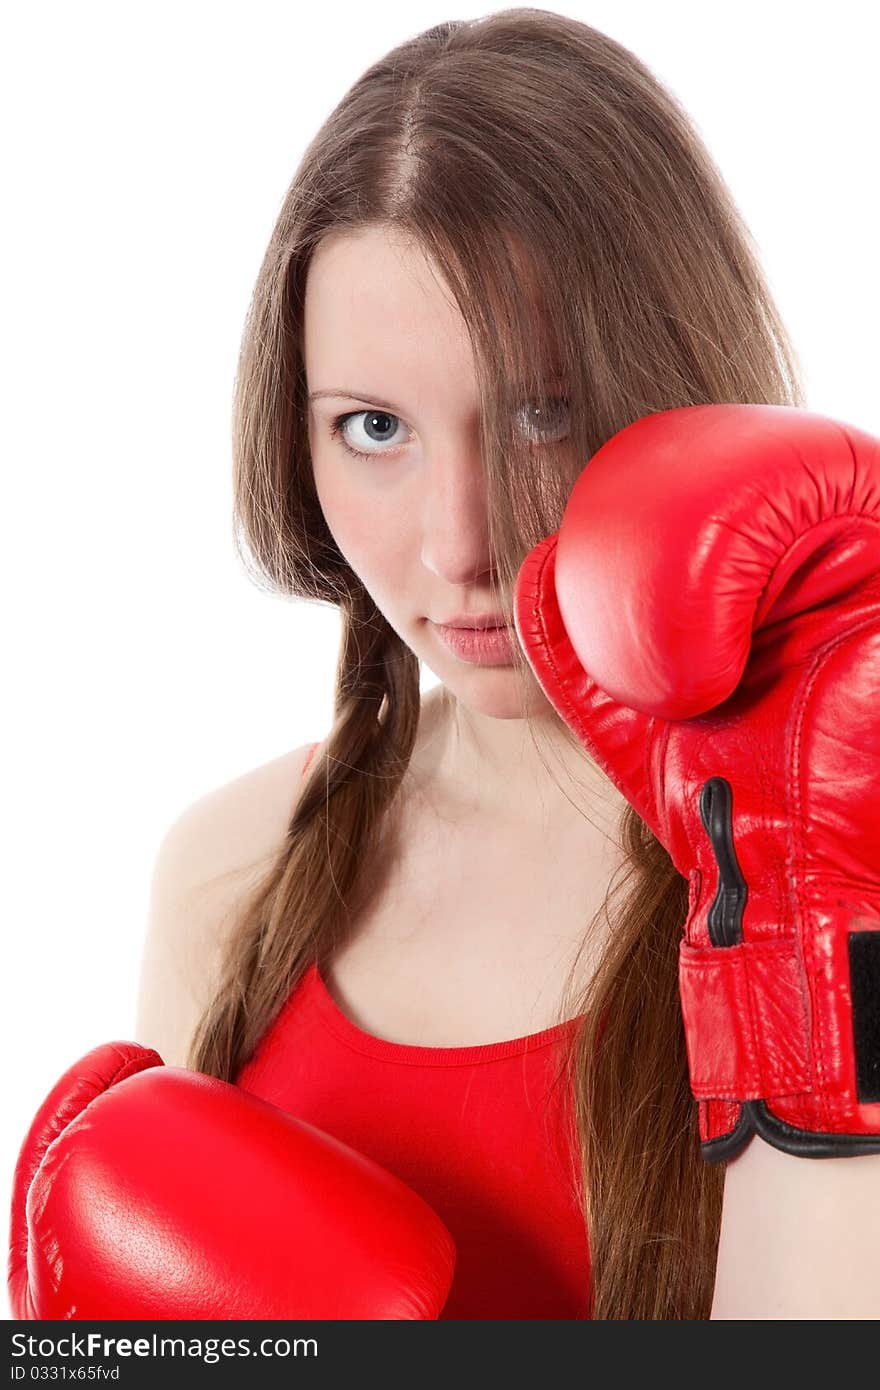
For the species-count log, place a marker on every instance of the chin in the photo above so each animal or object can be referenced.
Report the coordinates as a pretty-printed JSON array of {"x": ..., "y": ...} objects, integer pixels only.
[{"x": 494, "y": 691}]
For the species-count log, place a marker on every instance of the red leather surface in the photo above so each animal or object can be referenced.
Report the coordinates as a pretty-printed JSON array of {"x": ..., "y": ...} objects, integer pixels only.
[
  {"x": 710, "y": 607},
  {"x": 163, "y": 1193}
]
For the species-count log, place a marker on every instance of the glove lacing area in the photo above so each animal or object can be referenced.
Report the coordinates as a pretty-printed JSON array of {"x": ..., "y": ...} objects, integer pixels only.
[{"x": 784, "y": 1035}]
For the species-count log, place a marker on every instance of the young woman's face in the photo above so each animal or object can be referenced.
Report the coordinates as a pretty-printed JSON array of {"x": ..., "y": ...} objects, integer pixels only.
[{"x": 386, "y": 347}]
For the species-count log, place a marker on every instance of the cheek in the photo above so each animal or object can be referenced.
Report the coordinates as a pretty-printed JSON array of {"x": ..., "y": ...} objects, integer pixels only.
[{"x": 373, "y": 534}]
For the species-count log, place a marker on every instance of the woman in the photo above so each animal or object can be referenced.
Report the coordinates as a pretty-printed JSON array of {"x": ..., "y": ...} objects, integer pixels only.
[
  {"x": 553, "y": 184},
  {"x": 505, "y": 245}
]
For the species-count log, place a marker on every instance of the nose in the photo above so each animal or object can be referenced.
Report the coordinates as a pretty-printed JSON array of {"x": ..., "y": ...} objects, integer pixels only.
[{"x": 455, "y": 530}]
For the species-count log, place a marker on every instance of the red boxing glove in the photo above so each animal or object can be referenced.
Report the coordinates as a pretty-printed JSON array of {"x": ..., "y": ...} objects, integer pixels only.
[
  {"x": 146, "y": 1191},
  {"x": 707, "y": 622}
]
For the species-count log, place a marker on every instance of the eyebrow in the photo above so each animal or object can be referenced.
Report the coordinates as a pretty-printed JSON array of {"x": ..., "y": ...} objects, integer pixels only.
[
  {"x": 358, "y": 395},
  {"x": 552, "y": 380}
]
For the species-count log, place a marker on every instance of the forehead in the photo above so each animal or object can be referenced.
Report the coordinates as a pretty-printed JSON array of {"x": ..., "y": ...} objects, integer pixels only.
[
  {"x": 378, "y": 308},
  {"x": 375, "y": 304}
]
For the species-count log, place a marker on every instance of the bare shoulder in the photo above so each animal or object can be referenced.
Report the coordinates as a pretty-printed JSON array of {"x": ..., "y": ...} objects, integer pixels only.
[
  {"x": 208, "y": 860},
  {"x": 234, "y": 827}
]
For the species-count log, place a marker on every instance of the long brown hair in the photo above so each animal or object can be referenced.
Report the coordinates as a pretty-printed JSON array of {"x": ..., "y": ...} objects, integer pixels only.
[{"x": 587, "y": 234}]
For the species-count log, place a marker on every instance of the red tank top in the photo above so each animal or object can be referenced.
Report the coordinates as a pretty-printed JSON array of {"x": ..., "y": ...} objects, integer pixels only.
[{"x": 482, "y": 1133}]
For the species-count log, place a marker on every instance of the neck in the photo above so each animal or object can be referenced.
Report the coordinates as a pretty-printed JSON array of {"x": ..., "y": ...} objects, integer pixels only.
[{"x": 529, "y": 770}]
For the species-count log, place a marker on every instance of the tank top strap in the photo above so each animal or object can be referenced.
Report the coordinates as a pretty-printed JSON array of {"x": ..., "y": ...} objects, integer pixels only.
[{"x": 308, "y": 760}]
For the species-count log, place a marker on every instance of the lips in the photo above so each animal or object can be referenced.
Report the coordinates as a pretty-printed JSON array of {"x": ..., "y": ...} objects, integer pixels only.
[
  {"x": 479, "y": 623},
  {"x": 487, "y": 646}
]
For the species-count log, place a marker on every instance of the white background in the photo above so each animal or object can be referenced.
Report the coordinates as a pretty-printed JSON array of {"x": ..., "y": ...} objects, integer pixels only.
[{"x": 147, "y": 150}]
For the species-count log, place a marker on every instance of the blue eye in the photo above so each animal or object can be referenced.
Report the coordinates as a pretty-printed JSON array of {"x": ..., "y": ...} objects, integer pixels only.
[
  {"x": 542, "y": 422},
  {"x": 548, "y": 419},
  {"x": 337, "y": 429}
]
